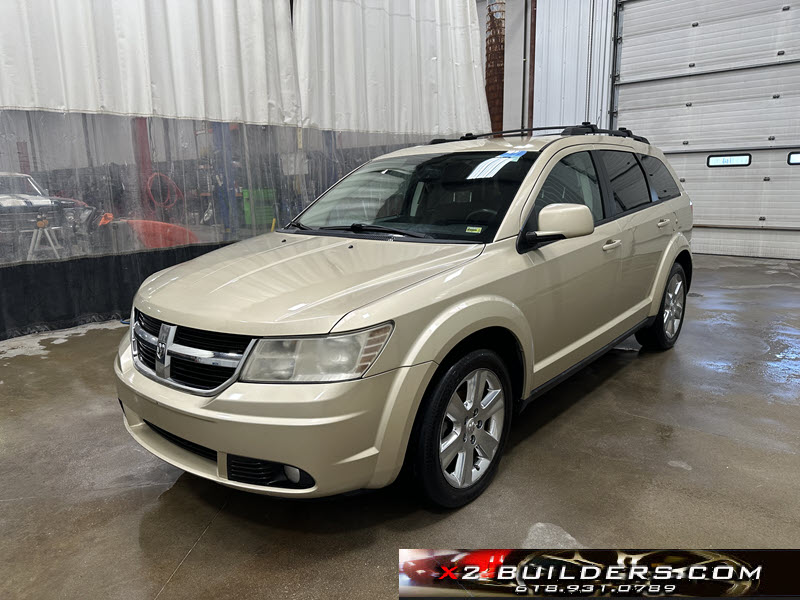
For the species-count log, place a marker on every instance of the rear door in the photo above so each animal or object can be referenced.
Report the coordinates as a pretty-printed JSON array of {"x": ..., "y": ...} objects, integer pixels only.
[{"x": 645, "y": 222}]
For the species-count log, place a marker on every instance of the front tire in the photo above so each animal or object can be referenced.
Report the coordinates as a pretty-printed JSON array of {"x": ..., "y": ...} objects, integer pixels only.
[
  {"x": 666, "y": 328},
  {"x": 464, "y": 424}
]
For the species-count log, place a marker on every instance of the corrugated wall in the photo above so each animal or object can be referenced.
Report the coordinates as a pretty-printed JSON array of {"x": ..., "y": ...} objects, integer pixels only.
[{"x": 573, "y": 62}]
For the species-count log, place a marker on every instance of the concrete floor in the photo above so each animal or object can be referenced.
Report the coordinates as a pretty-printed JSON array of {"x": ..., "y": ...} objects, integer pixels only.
[{"x": 697, "y": 447}]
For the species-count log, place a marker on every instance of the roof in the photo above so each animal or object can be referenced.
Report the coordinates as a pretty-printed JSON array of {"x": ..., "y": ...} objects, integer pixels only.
[
  {"x": 511, "y": 143},
  {"x": 496, "y": 144}
]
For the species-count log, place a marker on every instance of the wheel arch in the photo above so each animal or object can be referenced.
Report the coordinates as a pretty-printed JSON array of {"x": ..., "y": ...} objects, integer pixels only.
[
  {"x": 498, "y": 339},
  {"x": 490, "y": 322},
  {"x": 684, "y": 259},
  {"x": 678, "y": 251}
]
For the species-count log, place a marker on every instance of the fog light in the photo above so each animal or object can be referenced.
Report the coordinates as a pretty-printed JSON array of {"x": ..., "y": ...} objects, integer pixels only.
[{"x": 292, "y": 473}]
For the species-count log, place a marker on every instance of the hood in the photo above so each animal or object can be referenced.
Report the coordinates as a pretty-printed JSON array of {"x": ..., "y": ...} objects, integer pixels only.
[
  {"x": 290, "y": 284},
  {"x": 24, "y": 201}
]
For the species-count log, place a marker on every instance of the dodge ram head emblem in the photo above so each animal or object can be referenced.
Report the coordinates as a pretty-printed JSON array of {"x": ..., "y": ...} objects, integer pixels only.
[{"x": 165, "y": 337}]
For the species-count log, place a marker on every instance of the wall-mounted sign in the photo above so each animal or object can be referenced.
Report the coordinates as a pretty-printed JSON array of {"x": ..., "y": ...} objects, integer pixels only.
[
  {"x": 794, "y": 158},
  {"x": 729, "y": 160}
]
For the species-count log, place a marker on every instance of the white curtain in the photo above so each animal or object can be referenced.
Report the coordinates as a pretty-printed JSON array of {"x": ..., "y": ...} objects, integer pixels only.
[
  {"x": 391, "y": 66},
  {"x": 227, "y": 60},
  {"x": 385, "y": 66}
]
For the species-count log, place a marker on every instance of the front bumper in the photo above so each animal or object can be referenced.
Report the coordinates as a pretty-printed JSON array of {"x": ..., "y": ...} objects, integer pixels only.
[{"x": 346, "y": 436}]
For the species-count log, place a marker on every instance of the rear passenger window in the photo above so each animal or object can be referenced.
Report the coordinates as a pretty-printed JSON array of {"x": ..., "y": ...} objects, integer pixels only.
[
  {"x": 628, "y": 185},
  {"x": 572, "y": 181},
  {"x": 661, "y": 181}
]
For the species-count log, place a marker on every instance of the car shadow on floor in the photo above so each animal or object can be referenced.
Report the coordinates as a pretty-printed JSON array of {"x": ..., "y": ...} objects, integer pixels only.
[
  {"x": 343, "y": 513},
  {"x": 578, "y": 387}
]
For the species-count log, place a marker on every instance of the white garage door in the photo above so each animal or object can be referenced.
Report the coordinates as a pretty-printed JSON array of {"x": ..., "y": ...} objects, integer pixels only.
[{"x": 716, "y": 85}]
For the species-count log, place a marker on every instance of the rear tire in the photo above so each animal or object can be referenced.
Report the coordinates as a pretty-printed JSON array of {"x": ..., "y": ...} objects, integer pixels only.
[
  {"x": 463, "y": 427},
  {"x": 666, "y": 328}
]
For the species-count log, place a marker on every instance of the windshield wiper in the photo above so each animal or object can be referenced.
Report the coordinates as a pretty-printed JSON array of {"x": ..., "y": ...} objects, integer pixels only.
[
  {"x": 298, "y": 224},
  {"x": 362, "y": 227}
]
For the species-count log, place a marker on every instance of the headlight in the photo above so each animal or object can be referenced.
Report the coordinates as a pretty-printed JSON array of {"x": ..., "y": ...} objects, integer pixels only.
[
  {"x": 316, "y": 359},
  {"x": 84, "y": 214}
]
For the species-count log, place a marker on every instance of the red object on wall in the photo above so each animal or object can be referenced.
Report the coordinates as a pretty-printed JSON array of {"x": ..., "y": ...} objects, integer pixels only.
[
  {"x": 155, "y": 234},
  {"x": 174, "y": 193}
]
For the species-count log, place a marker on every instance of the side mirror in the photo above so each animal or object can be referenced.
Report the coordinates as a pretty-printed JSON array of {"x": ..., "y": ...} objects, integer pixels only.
[{"x": 557, "y": 222}]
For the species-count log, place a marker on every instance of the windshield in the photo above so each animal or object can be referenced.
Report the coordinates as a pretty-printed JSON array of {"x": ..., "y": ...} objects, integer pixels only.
[
  {"x": 459, "y": 196},
  {"x": 16, "y": 184}
]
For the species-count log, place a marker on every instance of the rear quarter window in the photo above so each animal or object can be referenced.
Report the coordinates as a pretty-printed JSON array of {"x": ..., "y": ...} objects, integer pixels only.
[{"x": 661, "y": 181}]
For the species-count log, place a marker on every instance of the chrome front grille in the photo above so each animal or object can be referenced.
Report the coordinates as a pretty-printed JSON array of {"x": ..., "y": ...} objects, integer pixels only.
[
  {"x": 183, "y": 357},
  {"x": 24, "y": 218}
]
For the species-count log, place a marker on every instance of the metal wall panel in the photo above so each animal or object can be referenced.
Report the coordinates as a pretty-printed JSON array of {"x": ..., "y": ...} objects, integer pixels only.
[
  {"x": 732, "y": 109},
  {"x": 515, "y": 65},
  {"x": 741, "y": 196},
  {"x": 660, "y": 38},
  {"x": 573, "y": 62},
  {"x": 734, "y": 242},
  {"x": 700, "y": 77}
]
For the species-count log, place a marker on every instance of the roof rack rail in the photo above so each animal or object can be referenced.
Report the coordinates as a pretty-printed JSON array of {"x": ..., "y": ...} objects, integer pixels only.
[
  {"x": 585, "y": 128},
  {"x": 475, "y": 136}
]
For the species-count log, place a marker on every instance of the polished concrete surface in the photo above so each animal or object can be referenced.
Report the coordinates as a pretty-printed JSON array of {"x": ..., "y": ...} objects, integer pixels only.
[{"x": 697, "y": 447}]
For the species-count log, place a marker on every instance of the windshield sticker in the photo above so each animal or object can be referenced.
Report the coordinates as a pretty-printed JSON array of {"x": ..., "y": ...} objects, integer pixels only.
[
  {"x": 514, "y": 156},
  {"x": 490, "y": 167},
  {"x": 474, "y": 229}
]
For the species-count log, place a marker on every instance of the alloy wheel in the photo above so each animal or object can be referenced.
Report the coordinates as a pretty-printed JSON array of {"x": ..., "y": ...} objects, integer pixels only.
[
  {"x": 673, "y": 305},
  {"x": 471, "y": 429}
]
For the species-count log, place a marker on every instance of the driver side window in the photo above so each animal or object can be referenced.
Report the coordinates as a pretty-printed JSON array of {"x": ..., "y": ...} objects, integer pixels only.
[{"x": 573, "y": 181}]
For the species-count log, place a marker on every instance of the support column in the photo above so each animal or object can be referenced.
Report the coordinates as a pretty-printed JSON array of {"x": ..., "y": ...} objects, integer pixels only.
[{"x": 495, "y": 60}]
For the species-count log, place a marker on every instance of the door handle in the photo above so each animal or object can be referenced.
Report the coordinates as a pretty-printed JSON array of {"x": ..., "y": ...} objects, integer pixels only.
[
  {"x": 611, "y": 244},
  {"x": 663, "y": 222}
]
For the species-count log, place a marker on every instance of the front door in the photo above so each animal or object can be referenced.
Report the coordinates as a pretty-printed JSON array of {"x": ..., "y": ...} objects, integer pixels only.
[{"x": 573, "y": 305}]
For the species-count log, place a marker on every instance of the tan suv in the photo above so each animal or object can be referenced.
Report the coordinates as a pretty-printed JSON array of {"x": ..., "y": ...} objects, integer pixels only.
[{"x": 407, "y": 314}]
